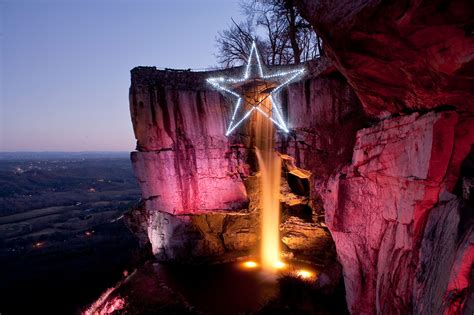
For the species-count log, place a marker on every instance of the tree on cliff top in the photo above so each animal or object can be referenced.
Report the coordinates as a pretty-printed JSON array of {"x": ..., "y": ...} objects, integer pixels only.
[{"x": 281, "y": 34}]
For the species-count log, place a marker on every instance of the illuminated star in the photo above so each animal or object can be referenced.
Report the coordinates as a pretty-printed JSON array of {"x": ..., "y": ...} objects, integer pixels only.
[{"x": 235, "y": 88}]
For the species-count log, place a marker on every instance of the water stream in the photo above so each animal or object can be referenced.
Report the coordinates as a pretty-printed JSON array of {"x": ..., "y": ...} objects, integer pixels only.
[{"x": 270, "y": 176}]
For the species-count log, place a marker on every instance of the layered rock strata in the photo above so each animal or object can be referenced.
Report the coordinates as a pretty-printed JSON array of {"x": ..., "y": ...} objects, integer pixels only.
[
  {"x": 404, "y": 246},
  {"x": 377, "y": 209},
  {"x": 399, "y": 56},
  {"x": 199, "y": 187}
]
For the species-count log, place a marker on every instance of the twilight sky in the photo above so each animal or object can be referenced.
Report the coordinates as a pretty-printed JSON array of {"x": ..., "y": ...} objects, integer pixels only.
[{"x": 64, "y": 65}]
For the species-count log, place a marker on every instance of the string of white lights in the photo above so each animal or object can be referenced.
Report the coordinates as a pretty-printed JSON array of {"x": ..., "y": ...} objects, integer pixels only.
[
  {"x": 230, "y": 129},
  {"x": 237, "y": 105},
  {"x": 258, "y": 60},
  {"x": 277, "y": 110},
  {"x": 269, "y": 117},
  {"x": 249, "y": 61}
]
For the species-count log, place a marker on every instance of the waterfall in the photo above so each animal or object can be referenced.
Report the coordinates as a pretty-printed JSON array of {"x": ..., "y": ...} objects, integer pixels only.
[{"x": 270, "y": 176}]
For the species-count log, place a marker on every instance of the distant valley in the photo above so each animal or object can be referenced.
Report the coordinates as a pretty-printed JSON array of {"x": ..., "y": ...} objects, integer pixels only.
[{"x": 62, "y": 237}]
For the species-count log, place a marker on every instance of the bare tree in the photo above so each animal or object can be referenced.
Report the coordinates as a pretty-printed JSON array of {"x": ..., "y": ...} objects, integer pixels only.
[
  {"x": 276, "y": 40},
  {"x": 285, "y": 36},
  {"x": 234, "y": 43},
  {"x": 287, "y": 9}
]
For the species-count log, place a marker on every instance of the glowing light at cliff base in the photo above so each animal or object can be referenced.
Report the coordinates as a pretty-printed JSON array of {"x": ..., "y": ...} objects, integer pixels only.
[
  {"x": 249, "y": 264},
  {"x": 305, "y": 274},
  {"x": 284, "y": 268}
]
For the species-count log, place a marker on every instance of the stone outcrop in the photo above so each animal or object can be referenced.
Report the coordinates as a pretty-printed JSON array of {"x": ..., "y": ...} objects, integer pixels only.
[
  {"x": 184, "y": 163},
  {"x": 199, "y": 187},
  {"x": 446, "y": 251},
  {"x": 376, "y": 208},
  {"x": 402, "y": 55},
  {"x": 383, "y": 124},
  {"x": 404, "y": 246},
  {"x": 204, "y": 237},
  {"x": 206, "y": 179},
  {"x": 308, "y": 240},
  {"x": 303, "y": 232},
  {"x": 324, "y": 114},
  {"x": 192, "y": 178}
]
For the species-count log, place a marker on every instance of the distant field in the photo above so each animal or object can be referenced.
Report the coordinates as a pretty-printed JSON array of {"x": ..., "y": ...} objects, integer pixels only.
[
  {"x": 55, "y": 180},
  {"x": 62, "y": 240}
]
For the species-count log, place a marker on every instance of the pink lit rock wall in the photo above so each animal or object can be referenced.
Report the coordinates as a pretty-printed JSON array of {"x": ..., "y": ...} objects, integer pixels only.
[
  {"x": 186, "y": 168},
  {"x": 324, "y": 114},
  {"x": 399, "y": 55},
  {"x": 386, "y": 129},
  {"x": 197, "y": 184},
  {"x": 402, "y": 226},
  {"x": 377, "y": 208},
  {"x": 185, "y": 164}
]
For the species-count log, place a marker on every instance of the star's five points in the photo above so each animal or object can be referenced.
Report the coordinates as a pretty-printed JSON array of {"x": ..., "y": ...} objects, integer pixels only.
[{"x": 235, "y": 88}]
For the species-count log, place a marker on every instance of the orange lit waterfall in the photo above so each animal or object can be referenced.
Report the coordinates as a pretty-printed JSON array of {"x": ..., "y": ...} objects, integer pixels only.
[{"x": 270, "y": 175}]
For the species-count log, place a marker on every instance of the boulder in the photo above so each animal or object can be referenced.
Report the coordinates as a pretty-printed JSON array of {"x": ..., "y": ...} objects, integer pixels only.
[
  {"x": 298, "y": 179},
  {"x": 445, "y": 262},
  {"x": 377, "y": 208},
  {"x": 307, "y": 240},
  {"x": 196, "y": 238}
]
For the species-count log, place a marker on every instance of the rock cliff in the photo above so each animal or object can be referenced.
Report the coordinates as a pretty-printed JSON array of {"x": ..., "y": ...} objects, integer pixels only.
[
  {"x": 401, "y": 223},
  {"x": 199, "y": 187},
  {"x": 384, "y": 125},
  {"x": 186, "y": 167},
  {"x": 399, "y": 56}
]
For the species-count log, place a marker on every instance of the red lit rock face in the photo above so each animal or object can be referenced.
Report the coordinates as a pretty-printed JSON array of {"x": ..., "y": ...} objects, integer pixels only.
[
  {"x": 447, "y": 251},
  {"x": 185, "y": 164},
  {"x": 187, "y": 168},
  {"x": 324, "y": 114},
  {"x": 207, "y": 181},
  {"x": 377, "y": 209},
  {"x": 166, "y": 118},
  {"x": 400, "y": 55}
]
